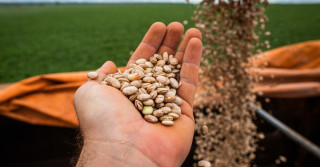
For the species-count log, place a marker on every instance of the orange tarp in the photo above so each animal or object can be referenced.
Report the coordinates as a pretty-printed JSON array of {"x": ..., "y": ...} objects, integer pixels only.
[{"x": 292, "y": 71}]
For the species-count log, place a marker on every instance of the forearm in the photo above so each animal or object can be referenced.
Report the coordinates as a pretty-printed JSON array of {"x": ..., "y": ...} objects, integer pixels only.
[{"x": 112, "y": 154}]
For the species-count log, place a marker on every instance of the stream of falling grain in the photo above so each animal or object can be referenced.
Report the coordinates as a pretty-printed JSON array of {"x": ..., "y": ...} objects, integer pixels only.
[{"x": 231, "y": 31}]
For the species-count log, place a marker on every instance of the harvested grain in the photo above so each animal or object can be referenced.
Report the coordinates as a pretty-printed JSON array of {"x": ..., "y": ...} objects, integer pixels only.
[
  {"x": 92, "y": 75},
  {"x": 151, "y": 85},
  {"x": 231, "y": 31}
]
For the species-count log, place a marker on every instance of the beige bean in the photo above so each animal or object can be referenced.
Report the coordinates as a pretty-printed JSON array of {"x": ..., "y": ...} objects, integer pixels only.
[
  {"x": 136, "y": 67},
  {"x": 92, "y": 75},
  {"x": 141, "y": 61},
  {"x": 153, "y": 60},
  {"x": 169, "y": 105},
  {"x": 174, "y": 115},
  {"x": 158, "y": 113},
  {"x": 170, "y": 93},
  {"x": 167, "y": 81},
  {"x": 172, "y": 66},
  {"x": 204, "y": 163},
  {"x": 159, "y": 105},
  {"x": 124, "y": 85},
  {"x": 134, "y": 76},
  {"x": 115, "y": 83},
  {"x": 136, "y": 83},
  {"x": 142, "y": 91},
  {"x": 145, "y": 85},
  {"x": 167, "y": 68},
  {"x": 151, "y": 118},
  {"x": 140, "y": 72},
  {"x": 104, "y": 83},
  {"x": 178, "y": 100},
  {"x": 138, "y": 104},
  {"x": 149, "y": 64},
  {"x": 107, "y": 79},
  {"x": 125, "y": 74},
  {"x": 143, "y": 97},
  {"x": 166, "y": 117},
  {"x": 121, "y": 80},
  {"x": 169, "y": 99},
  {"x": 162, "y": 90},
  {"x": 148, "y": 70},
  {"x": 159, "y": 99},
  {"x": 174, "y": 91},
  {"x": 149, "y": 102},
  {"x": 130, "y": 90},
  {"x": 165, "y": 56},
  {"x": 161, "y": 63},
  {"x": 149, "y": 79},
  {"x": 159, "y": 57},
  {"x": 167, "y": 122},
  {"x": 158, "y": 85},
  {"x": 173, "y": 61},
  {"x": 130, "y": 70},
  {"x": 144, "y": 66},
  {"x": 204, "y": 130},
  {"x": 172, "y": 105},
  {"x": 157, "y": 69},
  {"x": 166, "y": 110},
  {"x": 133, "y": 97},
  {"x": 132, "y": 65},
  {"x": 117, "y": 76},
  {"x": 151, "y": 88},
  {"x": 174, "y": 83},
  {"x": 150, "y": 74},
  {"x": 161, "y": 73},
  {"x": 176, "y": 111},
  {"x": 153, "y": 94},
  {"x": 175, "y": 71},
  {"x": 161, "y": 79}
]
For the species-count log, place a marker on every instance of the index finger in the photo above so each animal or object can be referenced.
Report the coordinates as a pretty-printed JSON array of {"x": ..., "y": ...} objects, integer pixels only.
[{"x": 150, "y": 43}]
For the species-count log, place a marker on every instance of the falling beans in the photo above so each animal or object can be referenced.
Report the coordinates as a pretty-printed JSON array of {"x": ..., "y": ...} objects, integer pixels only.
[{"x": 230, "y": 31}]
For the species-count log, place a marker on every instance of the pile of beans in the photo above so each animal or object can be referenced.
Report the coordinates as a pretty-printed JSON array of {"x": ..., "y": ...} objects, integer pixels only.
[{"x": 152, "y": 87}]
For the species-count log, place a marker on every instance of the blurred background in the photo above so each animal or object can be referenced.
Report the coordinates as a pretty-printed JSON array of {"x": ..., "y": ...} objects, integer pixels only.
[
  {"x": 60, "y": 36},
  {"x": 40, "y": 37}
]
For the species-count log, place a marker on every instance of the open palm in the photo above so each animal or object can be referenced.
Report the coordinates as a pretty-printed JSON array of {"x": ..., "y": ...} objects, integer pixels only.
[{"x": 115, "y": 134}]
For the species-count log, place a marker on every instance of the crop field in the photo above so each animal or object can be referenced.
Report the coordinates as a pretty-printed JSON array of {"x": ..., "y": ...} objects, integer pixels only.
[{"x": 40, "y": 39}]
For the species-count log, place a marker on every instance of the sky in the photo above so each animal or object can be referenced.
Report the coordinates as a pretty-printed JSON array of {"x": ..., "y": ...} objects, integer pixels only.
[{"x": 139, "y": 1}]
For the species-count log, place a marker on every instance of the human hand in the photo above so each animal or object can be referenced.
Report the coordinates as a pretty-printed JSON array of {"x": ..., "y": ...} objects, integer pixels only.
[{"x": 115, "y": 133}]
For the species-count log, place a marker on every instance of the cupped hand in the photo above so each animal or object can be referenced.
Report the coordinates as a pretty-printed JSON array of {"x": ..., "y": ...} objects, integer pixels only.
[{"x": 115, "y": 133}]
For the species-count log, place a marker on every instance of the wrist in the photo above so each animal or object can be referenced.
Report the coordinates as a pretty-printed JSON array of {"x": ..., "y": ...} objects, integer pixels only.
[{"x": 112, "y": 153}]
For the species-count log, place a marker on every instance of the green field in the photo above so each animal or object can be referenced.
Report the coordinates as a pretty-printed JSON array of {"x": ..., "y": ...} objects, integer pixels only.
[{"x": 47, "y": 39}]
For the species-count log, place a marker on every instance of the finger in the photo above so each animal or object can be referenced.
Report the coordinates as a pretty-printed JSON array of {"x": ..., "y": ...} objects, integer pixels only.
[
  {"x": 172, "y": 38},
  {"x": 191, "y": 33},
  {"x": 189, "y": 70},
  {"x": 150, "y": 42},
  {"x": 187, "y": 110},
  {"x": 107, "y": 68}
]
